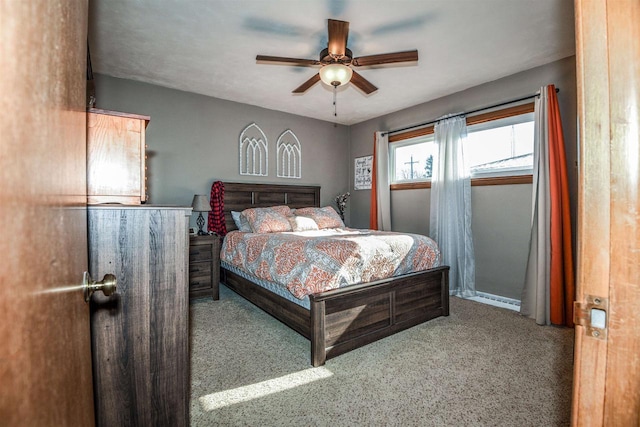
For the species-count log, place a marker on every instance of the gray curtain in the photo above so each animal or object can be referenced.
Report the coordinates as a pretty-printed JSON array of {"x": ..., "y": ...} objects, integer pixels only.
[{"x": 535, "y": 301}]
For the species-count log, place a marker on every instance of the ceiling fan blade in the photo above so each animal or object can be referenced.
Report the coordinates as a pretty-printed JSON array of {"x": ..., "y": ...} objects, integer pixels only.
[
  {"x": 386, "y": 58},
  {"x": 306, "y": 85},
  {"x": 289, "y": 61},
  {"x": 338, "y": 34},
  {"x": 363, "y": 84}
]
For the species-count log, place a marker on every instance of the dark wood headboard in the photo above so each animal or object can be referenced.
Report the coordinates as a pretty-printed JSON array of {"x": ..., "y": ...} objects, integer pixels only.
[{"x": 239, "y": 196}]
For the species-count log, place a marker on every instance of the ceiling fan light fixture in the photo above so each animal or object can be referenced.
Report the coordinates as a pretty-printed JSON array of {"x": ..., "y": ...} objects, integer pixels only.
[{"x": 335, "y": 74}]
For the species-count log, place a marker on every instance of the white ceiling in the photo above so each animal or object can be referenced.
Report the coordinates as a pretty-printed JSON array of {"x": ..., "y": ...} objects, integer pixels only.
[{"x": 209, "y": 47}]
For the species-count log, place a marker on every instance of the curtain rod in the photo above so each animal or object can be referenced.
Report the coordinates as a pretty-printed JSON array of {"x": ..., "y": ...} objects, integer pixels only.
[{"x": 524, "y": 98}]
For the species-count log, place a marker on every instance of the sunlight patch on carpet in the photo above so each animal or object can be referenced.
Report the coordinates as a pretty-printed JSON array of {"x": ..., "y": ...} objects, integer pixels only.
[{"x": 218, "y": 400}]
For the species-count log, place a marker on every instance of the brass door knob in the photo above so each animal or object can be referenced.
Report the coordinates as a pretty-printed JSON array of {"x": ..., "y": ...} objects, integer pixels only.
[{"x": 107, "y": 285}]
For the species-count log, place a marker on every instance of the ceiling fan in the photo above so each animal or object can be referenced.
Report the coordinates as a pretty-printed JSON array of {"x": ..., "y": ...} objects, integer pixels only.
[{"x": 337, "y": 61}]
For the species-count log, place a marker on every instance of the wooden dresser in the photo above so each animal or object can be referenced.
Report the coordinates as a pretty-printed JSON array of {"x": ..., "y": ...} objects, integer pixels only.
[
  {"x": 204, "y": 266},
  {"x": 116, "y": 159},
  {"x": 140, "y": 334}
]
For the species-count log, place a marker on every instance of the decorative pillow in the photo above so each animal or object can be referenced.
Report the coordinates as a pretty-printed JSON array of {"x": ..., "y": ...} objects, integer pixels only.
[
  {"x": 283, "y": 209},
  {"x": 268, "y": 220},
  {"x": 302, "y": 223},
  {"x": 240, "y": 221},
  {"x": 325, "y": 217}
]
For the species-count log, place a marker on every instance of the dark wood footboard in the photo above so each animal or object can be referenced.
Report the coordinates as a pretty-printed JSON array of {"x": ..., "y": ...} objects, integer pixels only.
[{"x": 348, "y": 318}]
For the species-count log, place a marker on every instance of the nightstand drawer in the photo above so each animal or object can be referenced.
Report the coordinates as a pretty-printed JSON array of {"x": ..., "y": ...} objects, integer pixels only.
[
  {"x": 196, "y": 283},
  {"x": 200, "y": 253},
  {"x": 197, "y": 269}
]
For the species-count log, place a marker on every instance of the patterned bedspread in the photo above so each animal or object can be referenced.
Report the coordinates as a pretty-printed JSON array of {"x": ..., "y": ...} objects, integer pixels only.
[{"x": 320, "y": 260}]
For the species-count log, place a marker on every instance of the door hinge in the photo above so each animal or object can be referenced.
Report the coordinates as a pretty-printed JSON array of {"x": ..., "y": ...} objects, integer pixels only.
[{"x": 593, "y": 315}]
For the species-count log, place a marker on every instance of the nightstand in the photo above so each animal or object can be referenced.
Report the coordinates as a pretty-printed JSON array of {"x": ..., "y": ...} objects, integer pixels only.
[{"x": 204, "y": 266}]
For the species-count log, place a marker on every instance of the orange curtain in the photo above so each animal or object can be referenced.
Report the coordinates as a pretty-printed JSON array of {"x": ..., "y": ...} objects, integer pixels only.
[
  {"x": 562, "y": 285},
  {"x": 373, "y": 207}
]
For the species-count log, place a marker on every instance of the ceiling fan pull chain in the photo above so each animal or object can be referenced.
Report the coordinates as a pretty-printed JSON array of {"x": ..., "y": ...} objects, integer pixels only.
[{"x": 335, "y": 108}]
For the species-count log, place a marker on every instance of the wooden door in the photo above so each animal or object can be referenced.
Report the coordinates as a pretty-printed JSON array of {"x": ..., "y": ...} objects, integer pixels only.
[
  {"x": 607, "y": 367},
  {"x": 45, "y": 353}
]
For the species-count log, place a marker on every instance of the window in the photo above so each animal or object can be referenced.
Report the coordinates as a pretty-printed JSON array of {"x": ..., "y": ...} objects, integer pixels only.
[
  {"x": 412, "y": 160},
  {"x": 499, "y": 144},
  {"x": 500, "y": 147}
]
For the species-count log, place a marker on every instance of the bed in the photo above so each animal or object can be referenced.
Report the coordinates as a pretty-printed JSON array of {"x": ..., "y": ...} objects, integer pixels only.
[{"x": 343, "y": 319}]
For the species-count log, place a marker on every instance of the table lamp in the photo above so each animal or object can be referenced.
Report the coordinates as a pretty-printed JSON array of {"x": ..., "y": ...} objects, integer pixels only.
[{"x": 200, "y": 204}]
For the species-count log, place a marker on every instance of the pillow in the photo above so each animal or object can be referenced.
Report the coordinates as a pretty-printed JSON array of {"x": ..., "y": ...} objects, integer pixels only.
[
  {"x": 284, "y": 210},
  {"x": 326, "y": 217},
  {"x": 302, "y": 223},
  {"x": 240, "y": 221},
  {"x": 268, "y": 220}
]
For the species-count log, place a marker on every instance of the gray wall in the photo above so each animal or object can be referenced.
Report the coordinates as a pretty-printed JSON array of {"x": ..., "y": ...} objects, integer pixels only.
[
  {"x": 193, "y": 141},
  {"x": 501, "y": 214}
]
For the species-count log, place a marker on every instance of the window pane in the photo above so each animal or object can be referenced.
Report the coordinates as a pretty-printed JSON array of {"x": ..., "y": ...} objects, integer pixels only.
[
  {"x": 500, "y": 149},
  {"x": 412, "y": 161}
]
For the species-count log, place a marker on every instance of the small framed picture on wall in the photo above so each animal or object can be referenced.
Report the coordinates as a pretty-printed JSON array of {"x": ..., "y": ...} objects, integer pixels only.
[{"x": 363, "y": 172}]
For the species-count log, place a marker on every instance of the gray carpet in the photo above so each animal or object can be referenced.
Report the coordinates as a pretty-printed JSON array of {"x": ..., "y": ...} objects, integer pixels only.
[{"x": 481, "y": 366}]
